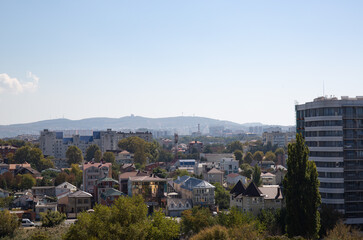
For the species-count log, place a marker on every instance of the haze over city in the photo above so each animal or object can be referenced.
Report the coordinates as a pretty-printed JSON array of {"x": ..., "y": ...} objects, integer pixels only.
[{"x": 237, "y": 61}]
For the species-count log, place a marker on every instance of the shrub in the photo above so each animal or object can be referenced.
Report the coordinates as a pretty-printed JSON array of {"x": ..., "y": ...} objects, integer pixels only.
[
  {"x": 51, "y": 218},
  {"x": 8, "y": 223}
]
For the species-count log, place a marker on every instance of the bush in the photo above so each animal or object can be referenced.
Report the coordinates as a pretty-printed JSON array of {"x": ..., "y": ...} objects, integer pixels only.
[
  {"x": 8, "y": 223},
  {"x": 212, "y": 233},
  {"x": 51, "y": 218},
  {"x": 39, "y": 235},
  {"x": 343, "y": 232}
]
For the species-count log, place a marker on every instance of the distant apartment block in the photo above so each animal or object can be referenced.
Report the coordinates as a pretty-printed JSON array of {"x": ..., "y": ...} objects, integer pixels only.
[
  {"x": 333, "y": 131},
  {"x": 55, "y": 144},
  {"x": 281, "y": 139}
]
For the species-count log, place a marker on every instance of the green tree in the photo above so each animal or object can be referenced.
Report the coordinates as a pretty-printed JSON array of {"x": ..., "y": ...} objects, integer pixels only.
[
  {"x": 344, "y": 232},
  {"x": 329, "y": 218},
  {"x": 162, "y": 228},
  {"x": 258, "y": 156},
  {"x": 165, "y": 156},
  {"x": 238, "y": 154},
  {"x": 98, "y": 156},
  {"x": 195, "y": 219},
  {"x": 74, "y": 155},
  {"x": 160, "y": 172},
  {"x": 27, "y": 181},
  {"x": 109, "y": 157},
  {"x": 256, "y": 176},
  {"x": 301, "y": 188},
  {"x": 8, "y": 223},
  {"x": 5, "y": 202},
  {"x": 216, "y": 232},
  {"x": 248, "y": 158},
  {"x": 135, "y": 145},
  {"x": 78, "y": 173},
  {"x": 233, "y": 146},
  {"x": 153, "y": 151},
  {"x": 52, "y": 218},
  {"x": 270, "y": 156},
  {"x": 179, "y": 173},
  {"x": 90, "y": 152},
  {"x": 221, "y": 196},
  {"x": 247, "y": 170}
]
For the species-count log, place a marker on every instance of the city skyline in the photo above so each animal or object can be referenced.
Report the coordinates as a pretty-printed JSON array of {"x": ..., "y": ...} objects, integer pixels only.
[{"x": 238, "y": 61}]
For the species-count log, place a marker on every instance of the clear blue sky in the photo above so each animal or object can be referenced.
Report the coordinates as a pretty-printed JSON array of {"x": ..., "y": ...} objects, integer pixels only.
[{"x": 244, "y": 61}]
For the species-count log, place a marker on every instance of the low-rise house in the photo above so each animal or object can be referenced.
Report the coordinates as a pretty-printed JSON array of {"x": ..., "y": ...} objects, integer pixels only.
[
  {"x": 79, "y": 201},
  {"x": 43, "y": 207},
  {"x": 267, "y": 165},
  {"x": 229, "y": 165},
  {"x": 124, "y": 157},
  {"x": 280, "y": 173},
  {"x": 93, "y": 172},
  {"x": 109, "y": 196},
  {"x": 5, "y": 150},
  {"x": 24, "y": 201},
  {"x": 233, "y": 179},
  {"x": 215, "y": 176},
  {"x": 253, "y": 199},
  {"x": 176, "y": 206},
  {"x": 153, "y": 189},
  {"x": 150, "y": 167},
  {"x": 268, "y": 178},
  {"x": 195, "y": 146},
  {"x": 215, "y": 157},
  {"x": 127, "y": 167},
  {"x": 199, "y": 191},
  {"x": 103, "y": 185},
  {"x": 123, "y": 179},
  {"x": 28, "y": 170},
  {"x": 64, "y": 187},
  {"x": 44, "y": 191},
  {"x": 13, "y": 167}
]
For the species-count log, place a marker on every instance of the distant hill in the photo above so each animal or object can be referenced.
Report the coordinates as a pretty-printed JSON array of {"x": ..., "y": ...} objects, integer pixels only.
[{"x": 183, "y": 125}]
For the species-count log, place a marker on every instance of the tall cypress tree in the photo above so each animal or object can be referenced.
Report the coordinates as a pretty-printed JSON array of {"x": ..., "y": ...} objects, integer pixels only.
[{"x": 301, "y": 189}]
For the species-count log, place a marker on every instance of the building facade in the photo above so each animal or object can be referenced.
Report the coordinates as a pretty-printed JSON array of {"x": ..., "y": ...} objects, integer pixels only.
[
  {"x": 55, "y": 144},
  {"x": 92, "y": 172},
  {"x": 333, "y": 131}
]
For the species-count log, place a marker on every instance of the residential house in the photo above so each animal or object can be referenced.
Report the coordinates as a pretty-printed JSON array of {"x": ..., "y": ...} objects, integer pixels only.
[
  {"x": 93, "y": 172},
  {"x": 124, "y": 157},
  {"x": 215, "y": 176},
  {"x": 13, "y": 167},
  {"x": 229, "y": 165},
  {"x": 23, "y": 200},
  {"x": 44, "y": 191},
  {"x": 4, "y": 193},
  {"x": 280, "y": 172},
  {"x": 268, "y": 178},
  {"x": 43, "y": 206},
  {"x": 175, "y": 206},
  {"x": 150, "y": 167},
  {"x": 78, "y": 202},
  {"x": 272, "y": 196},
  {"x": 233, "y": 179},
  {"x": 102, "y": 185},
  {"x": 28, "y": 170},
  {"x": 4, "y": 168},
  {"x": 127, "y": 167},
  {"x": 64, "y": 187},
  {"x": 123, "y": 179},
  {"x": 109, "y": 196},
  {"x": 5, "y": 150},
  {"x": 195, "y": 146}
]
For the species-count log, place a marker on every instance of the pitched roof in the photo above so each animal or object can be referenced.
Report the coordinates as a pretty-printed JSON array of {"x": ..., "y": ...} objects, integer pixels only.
[
  {"x": 238, "y": 188},
  {"x": 107, "y": 179},
  {"x": 190, "y": 182},
  {"x": 252, "y": 191},
  {"x": 233, "y": 175},
  {"x": 204, "y": 184},
  {"x": 65, "y": 183},
  {"x": 80, "y": 193},
  {"x": 147, "y": 179},
  {"x": 271, "y": 191},
  {"x": 111, "y": 192},
  {"x": 214, "y": 170},
  {"x": 126, "y": 175}
]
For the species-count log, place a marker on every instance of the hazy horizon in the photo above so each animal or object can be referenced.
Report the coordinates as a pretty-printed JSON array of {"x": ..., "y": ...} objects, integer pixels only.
[{"x": 238, "y": 61}]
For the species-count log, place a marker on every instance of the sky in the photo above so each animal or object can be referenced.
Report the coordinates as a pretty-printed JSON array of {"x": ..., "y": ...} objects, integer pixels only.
[{"x": 242, "y": 61}]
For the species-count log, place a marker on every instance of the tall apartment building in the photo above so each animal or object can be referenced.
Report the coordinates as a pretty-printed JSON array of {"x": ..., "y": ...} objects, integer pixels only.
[
  {"x": 55, "y": 144},
  {"x": 333, "y": 131}
]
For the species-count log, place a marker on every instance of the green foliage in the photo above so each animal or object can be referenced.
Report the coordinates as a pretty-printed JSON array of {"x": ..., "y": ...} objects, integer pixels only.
[
  {"x": 235, "y": 218},
  {"x": 5, "y": 202},
  {"x": 233, "y": 146},
  {"x": 8, "y": 223},
  {"x": 273, "y": 220},
  {"x": 153, "y": 151},
  {"x": 195, "y": 219},
  {"x": 221, "y": 196},
  {"x": 90, "y": 152},
  {"x": 343, "y": 232},
  {"x": 256, "y": 176},
  {"x": 39, "y": 235},
  {"x": 215, "y": 148},
  {"x": 165, "y": 156},
  {"x": 10, "y": 182},
  {"x": 216, "y": 232},
  {"x": 52, "y": 218},
  {"x": 280, "y": 151},
  {"x": 161, "y": 173},
  {"x": 34, "y": 156},
  {"x": 301, "y": 188},
  {"x": 248, "y": 158},
  {"x": 329, "y": 218},
  {"x": 135, "y": 145},
  {"x": 247, "y": 170},
  {"x": 179, "y": 173},
  {"x": 27, "y": 181},
  {"x": 126, "y": 219},
  {"x": 98, "y": 156},
  {"x": 109, "y": 157},
  {"x": 238, "y": 154},
  {"x": 270, "y": 156},
  {"x": 74, "y": 155},
  {"x": 258, "y": 156}
]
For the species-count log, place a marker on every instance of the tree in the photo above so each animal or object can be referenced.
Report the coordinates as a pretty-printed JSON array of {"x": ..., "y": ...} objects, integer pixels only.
[
  {"x": 45, "y": 163},
  {"x": 302, "y": 195},
  {"x": 270, "y": 156},
  {"x": 90, "y": 152},
  {"x": 98, "y": 156},
  {"x": 162, "y": 228},
  {"x": 248, "y": 158},
  {"x": 52, "y": 218},
  {"x": 109, "y": 157},
  {"x": 27, "y": 181},
  {"x": 165, "y": 156},
  {"x": 212, "y": 233},
  {"x": 179, "y": 173},
  {"x": 256, "y": 176},
  {"x": 135, "y": 145},
  {"x": 329, "y": 218},
  {"x": 74, "y": 155},
  {"x": 233, "y": 146},
  {"x": 221, "y": 196},
  {"x": 344, "y": 232},
  {"x": 8, "y": 223},
  {"x": 247, "y": 170},
  {"x": 238, "y": 154},
  {"x": 153, "y": 151},
  {"x": 258, "y": 156},
  {"x": 195, "y": 219}
]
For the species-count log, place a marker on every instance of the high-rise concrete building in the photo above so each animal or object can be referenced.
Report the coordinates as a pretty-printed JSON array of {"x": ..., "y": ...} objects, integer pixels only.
[
  {"x": 56, "y": 145},
  {"x": 333, "y": 131}
]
